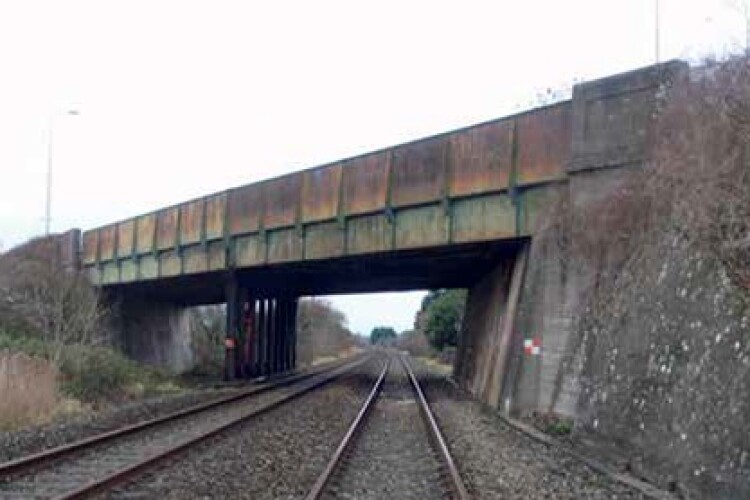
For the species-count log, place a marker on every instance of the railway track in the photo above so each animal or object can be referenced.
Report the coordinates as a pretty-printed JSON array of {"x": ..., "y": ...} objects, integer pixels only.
[
  {"x": 393, "y": 448},
  {"x": 95, "y": 465}
]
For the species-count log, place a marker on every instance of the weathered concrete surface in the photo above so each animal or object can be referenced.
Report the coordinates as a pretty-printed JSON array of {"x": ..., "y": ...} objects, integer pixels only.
[
  {"x": 664, "y": 355},
  {"x": 486, "y": 309},
  {"x": 155, "y": 333},
  {"x": 612, "y": 123},
  {"x": 488, "y": 338},
  {"x": 561, "y": 273},
  {"x": 651, "y": 359},
  {"x": 544, "y": 313}
]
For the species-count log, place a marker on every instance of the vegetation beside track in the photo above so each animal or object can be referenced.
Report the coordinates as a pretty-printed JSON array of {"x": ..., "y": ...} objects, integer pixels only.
[{"x": 56, "y": 352}]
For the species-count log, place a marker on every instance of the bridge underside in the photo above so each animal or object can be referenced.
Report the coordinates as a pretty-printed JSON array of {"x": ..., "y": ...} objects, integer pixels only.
[
  {"x": 457, "y": 266},
  {"x": 262, "y": 301}
]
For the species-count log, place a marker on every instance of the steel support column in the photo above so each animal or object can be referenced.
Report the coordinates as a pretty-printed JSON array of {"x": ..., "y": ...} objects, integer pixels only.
[
  {"x": 273, "y": 361},
  {"x": 255, "y": 358},
  {"x": 286, "y": 353},
  {"x": 233, "y": 325},
  {"x": 270, "y": 326},
  {"x": 291, "y": 334},
  {"x": 267, "y": 343},
  {"x": 249, "y": 328},
  {"x": 293, "y": 331},
  {"x": 262, "y": 337},
  {"x": 283, "y": 334}
]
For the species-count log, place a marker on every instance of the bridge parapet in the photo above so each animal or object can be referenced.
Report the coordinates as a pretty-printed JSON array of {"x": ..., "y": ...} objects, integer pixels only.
[{"x": 613, "y": 116}]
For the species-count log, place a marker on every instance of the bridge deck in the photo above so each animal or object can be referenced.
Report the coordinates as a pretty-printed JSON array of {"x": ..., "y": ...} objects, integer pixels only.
[{"x": 471, "y": 185}]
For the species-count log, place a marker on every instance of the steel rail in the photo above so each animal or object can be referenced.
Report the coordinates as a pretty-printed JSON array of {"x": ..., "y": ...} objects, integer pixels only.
[
  {"x": 126, "y": 474},
  {"x": 24, "y": 464},
  {"x": 436, "y": 436},
  {"x": 320, "y": 484}
]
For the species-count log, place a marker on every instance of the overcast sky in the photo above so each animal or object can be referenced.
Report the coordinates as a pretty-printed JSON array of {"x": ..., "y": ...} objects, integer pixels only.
[{"x": 181, "y": 98}]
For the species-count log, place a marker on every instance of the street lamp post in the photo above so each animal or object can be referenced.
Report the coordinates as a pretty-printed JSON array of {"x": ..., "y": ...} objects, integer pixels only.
[
  {"x": 50, "y": 148},
  {"x": 656, "y": 30}
]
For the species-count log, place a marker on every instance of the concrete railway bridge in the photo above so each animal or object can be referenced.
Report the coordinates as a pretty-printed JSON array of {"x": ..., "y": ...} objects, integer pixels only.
[{"x": 461, "y": 209}]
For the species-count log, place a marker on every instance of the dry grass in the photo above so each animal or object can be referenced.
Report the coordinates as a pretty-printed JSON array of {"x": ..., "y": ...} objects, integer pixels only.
[
  {"x": 28, "y": 390},
  {"x": 437, "y": 366},
  {"x": 702, "y": 163}
]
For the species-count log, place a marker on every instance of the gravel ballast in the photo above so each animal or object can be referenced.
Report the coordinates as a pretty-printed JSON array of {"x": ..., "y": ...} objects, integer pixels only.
[
  {"x": 35, "y": 439},
  {"x": 497, "y": 461},
  {"x": 275, "y": 455},
  {"x": 281, "y": 453},
  {"x": 391, "y": 456}
]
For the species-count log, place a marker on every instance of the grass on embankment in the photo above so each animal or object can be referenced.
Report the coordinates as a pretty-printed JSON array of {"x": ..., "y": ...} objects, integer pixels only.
[{"x": 34, "y": 389}]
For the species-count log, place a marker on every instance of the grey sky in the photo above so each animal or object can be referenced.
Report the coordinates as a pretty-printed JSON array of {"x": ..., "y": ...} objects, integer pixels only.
[{"x": 181, "y": 98}]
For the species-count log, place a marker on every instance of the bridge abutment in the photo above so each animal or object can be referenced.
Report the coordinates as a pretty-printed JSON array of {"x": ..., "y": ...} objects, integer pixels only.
[
  {"x": 611, "y": 124},
  {"x": 153, "y": 332},
  {"x": 488, "y": 340}
]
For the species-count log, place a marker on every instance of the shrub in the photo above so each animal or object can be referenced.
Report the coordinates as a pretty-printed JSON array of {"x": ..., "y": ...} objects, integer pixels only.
[
  {"x": 560, "y": 428},
  {"x": 13, "y": 341},
  {"x": 98, "y": 373}
]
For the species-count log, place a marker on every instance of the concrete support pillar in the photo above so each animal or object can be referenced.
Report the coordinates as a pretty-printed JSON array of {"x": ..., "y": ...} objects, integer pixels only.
[
  {"x": 485, "y": 309},
  {"x": 507, "y": 357},
  {"x": 152, "y": 332},
  {"x": 487, "y": 336}
]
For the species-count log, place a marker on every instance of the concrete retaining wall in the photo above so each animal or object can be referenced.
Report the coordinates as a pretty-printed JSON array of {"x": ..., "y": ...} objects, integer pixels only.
[{"x": 155, "y": 333}]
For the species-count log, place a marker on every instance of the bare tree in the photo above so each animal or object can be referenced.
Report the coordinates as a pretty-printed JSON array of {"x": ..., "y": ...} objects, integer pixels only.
[
  {"x": 208, "y": 325},
  {"x": 321, "y": 330},
  {"x": 56, "y": 304}
]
